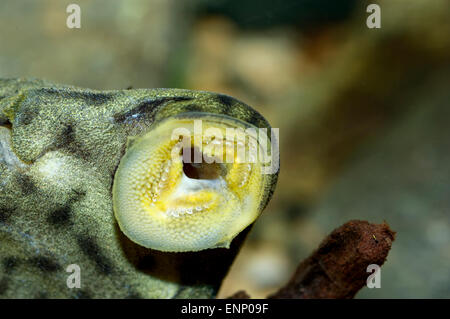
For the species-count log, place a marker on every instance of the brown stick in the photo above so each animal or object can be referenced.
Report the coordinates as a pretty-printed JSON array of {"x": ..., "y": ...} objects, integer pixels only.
[{"x": 338, "y": 268}]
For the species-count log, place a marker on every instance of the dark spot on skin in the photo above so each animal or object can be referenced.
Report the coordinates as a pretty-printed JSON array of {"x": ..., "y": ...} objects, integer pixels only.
[
  {"x": 92, "y": 250},
  {"x": 45, "y": 264},
  {"x": 27, "y": 116},
  {"x": 69, "y": 142},
  {"x": 26, "y": 184},
  {"x": 147, "y": 108},
  {"x": 61, "y": 217},
  {"x": 5, "y": 214},
  {"x": 226, "y": 100},
  {"x": 91, "y": 98},
  {"x": 258, "y": 120},
  {"x": 95, "y": 98},
  {"x": 79, "y": 194},
  {"x": 9, "y": 264},
  {"x": 3, "y": 285},
  {"x": 76, "y": 196},
  {"x": 82, "y": 294},
  {"x": 191, "y": 108},
  {"x": 68, "y": 134},
  {"x": 235, "y": 108}
]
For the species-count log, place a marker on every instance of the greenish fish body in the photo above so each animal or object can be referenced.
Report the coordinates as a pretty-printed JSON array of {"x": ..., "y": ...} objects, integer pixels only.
[{"x": 60, "y": 148}]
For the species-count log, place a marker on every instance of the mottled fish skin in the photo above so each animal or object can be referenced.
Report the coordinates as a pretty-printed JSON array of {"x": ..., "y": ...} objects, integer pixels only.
[{"x": 59, "y": 149}]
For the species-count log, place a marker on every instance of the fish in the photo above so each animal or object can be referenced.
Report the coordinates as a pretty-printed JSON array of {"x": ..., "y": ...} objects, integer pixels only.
[{"x": 143, "y": 190}]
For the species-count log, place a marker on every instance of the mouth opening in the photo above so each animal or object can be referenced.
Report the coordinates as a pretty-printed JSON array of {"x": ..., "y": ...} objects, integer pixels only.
[{"x": 202, "y": 170}]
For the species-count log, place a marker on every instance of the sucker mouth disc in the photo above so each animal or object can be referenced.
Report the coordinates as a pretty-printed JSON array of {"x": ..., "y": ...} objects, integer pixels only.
[{"x": 165, "y": 202}]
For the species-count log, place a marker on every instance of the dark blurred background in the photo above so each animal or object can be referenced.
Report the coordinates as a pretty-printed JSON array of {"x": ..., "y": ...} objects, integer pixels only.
[{"x": 364, "y": 114}]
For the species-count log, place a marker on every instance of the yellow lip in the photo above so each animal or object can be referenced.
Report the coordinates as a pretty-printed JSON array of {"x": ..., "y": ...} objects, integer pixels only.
[{"x": 164, "y": 203}]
